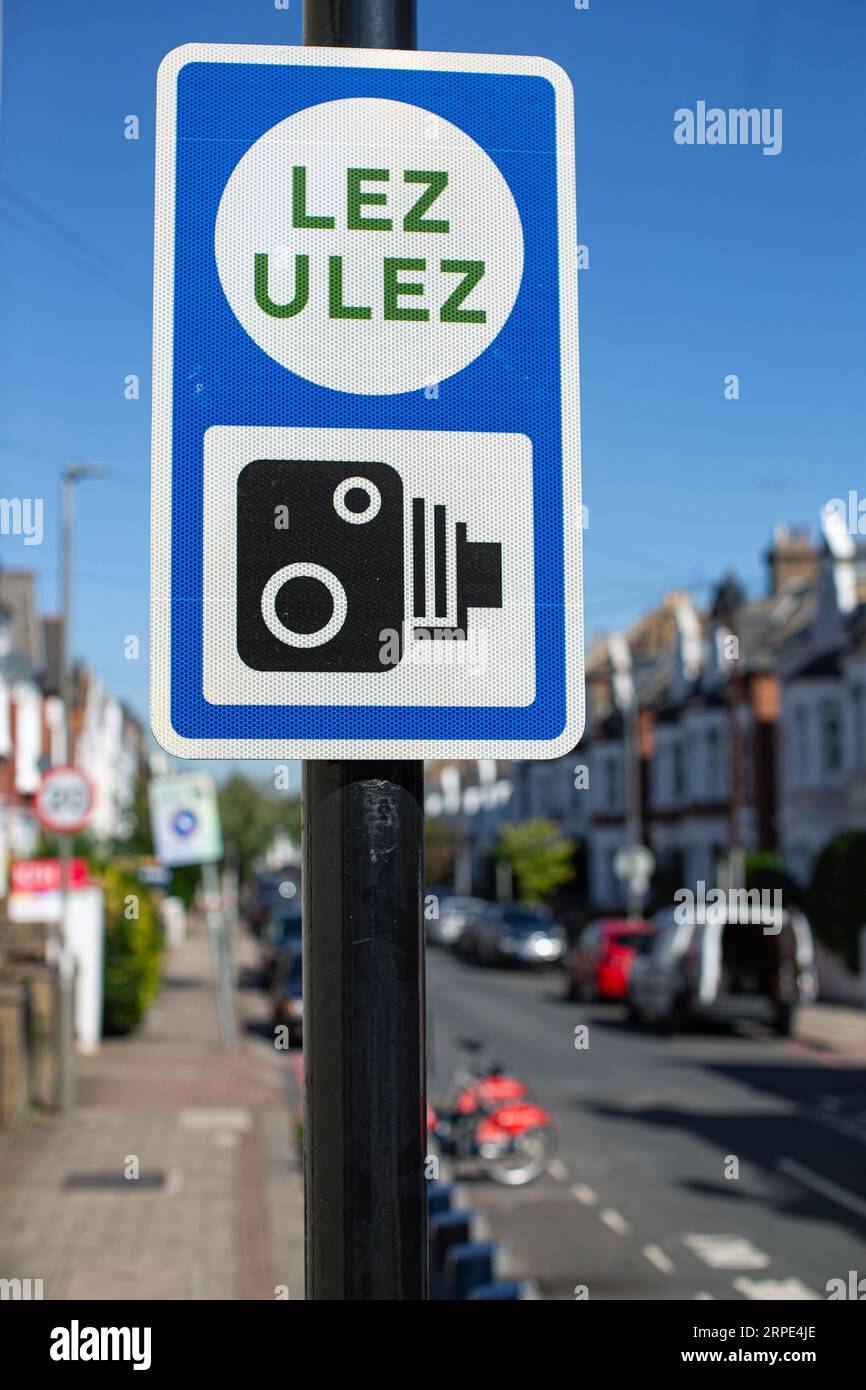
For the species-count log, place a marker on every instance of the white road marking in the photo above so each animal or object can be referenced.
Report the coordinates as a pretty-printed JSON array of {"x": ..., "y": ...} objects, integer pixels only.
[
  {"x": 703, "y": 1297},
  {"x": 657, "y": 1257},
  {"x": 584, "y": 1194},
  {"x": 614, "y": 1221},
  {"x": 823, "y": 1186},
  {"x": 557, "y": 1169},
  {"x": 764, "y": 1290},
  {"x": 727, "y": 1252}
]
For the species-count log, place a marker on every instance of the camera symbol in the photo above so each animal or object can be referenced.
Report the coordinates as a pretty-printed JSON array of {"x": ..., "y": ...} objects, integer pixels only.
[{"x": 321, "y": 567}]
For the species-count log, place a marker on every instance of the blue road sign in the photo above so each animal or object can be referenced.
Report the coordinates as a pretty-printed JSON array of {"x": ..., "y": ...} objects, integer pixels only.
[
  {"x": 366, "y": 493},
  {"x": 184, "y": 823}
]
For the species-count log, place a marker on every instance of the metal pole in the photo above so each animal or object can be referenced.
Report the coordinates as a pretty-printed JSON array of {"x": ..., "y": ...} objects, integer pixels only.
[
  {"x": 634, "y": 830},
  {"x": 359, "y": 23},
  {"x": 364, "y": 1056},
  {"x": 217, "y": 930},
  {"x": 364, "y": 1007},
  {"x": 66, "y": 1026},
  {"x": 736, "y": 850}
]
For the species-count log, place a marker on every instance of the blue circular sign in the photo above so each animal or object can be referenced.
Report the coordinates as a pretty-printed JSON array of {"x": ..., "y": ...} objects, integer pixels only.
[{"x": 184, "y": 822}]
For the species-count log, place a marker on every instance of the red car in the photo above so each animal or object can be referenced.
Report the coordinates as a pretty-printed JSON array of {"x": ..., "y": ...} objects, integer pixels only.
[{"x": 598, "y": 966}]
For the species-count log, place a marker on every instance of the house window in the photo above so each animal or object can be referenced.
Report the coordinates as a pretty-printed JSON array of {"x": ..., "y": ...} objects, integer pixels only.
[
  {"x": 800, "y": 745},
  {"x": 714, "y": 764},
  {"x": 831, "y": 737},
  {"x": 612, "y": 787},
  {"x": 657, "y": 777},
  {"x": 679, "y": 772},
  {"x": 858, "y": 698},
  {"x": 746, "y": 765}
]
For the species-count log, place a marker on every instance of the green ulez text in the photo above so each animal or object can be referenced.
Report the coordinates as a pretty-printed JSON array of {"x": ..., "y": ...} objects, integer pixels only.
[{"x": 400, "y": 274}]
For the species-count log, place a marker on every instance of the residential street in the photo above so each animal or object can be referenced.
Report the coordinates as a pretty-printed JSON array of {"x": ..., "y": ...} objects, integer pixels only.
[{"x": 638, "y": 1206}]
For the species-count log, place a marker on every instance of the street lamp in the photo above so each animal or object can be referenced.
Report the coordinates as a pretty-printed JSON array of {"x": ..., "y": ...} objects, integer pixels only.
[{"x": 72, "y": 473}]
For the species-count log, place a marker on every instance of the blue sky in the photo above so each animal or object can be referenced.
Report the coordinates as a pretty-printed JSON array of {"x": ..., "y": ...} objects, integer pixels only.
[{"x": 704, "y": 261}]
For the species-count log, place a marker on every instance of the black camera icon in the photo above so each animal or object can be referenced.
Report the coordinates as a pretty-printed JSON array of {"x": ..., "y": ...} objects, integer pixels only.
[{"x": 321, "y": 567}]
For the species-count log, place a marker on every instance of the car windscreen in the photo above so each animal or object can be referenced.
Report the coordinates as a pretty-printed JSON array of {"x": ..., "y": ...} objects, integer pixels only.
[
  {"x": 291, "y": 978},
  {"x": 527, "y": 921},
  {"x": 632, "y": 941}
]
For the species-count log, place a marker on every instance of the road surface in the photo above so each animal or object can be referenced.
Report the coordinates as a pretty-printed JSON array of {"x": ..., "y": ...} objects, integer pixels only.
[{"x": 638, "y": 1204}]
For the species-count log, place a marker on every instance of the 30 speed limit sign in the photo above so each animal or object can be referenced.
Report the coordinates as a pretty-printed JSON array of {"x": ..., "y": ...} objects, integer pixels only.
[{"x": 64, "y": 800}]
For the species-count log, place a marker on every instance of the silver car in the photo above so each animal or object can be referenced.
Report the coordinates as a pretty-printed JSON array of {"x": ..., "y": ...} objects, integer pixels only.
[
  {"x": 452, "y": 919},
  {"x": 519, "y": 935}
]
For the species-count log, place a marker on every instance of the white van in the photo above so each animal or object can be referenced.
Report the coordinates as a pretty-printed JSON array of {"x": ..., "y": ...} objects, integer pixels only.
[{"x": 724, "y": 965}]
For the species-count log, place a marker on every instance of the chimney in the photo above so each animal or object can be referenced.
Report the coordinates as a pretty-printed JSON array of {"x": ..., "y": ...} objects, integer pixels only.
[{"x": 791, "y": 555}]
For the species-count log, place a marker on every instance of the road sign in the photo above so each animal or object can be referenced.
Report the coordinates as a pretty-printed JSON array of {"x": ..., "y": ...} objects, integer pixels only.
[
  {"x": 64, "y": 800},
  {"x": 366, "y": 500},
  {"x": 44, "y": 875},
  {"x": 634, "y": 864},
  {"x": 184, "y": 818}
]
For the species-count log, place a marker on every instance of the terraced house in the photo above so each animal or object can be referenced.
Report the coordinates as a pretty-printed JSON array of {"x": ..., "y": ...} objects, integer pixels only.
[{"x": 749, "y": 727}]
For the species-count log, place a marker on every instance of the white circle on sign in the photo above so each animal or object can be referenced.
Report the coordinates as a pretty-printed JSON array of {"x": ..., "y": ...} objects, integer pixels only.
[
  {"x": 64, "y": 800},
  {"x": 290, "y": 286},
  {"x": 372, "y": 508},
  {"x": 288, "y": 634}
]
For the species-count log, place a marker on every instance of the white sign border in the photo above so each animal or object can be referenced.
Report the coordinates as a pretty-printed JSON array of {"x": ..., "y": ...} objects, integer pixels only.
[{"x": 161, "y": 509}]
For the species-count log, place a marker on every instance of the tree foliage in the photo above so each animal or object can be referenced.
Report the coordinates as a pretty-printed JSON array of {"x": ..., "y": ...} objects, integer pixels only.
[
  {"x": 541, "y": 858},
  {"x": 838, "y": 893},
  {"x": 765, "y": 870},
  {"x": 133, "y": 949},
  {"x": 440, "y": 850},
  {"x": 253, "y": 814}
]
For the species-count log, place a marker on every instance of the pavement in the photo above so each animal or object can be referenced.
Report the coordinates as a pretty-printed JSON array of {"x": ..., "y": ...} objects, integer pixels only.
[
  {"x": 835, "y": 1028},
  {"x": 216, "y": 1208},
  {"x": 708, "y": 1165}
]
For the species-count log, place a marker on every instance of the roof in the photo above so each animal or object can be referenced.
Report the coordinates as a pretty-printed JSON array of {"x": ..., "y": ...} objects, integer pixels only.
[{"x": 825, "y": 664}]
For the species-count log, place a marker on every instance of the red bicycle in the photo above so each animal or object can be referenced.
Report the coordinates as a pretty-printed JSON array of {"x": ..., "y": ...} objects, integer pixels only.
[{"x": 490, "y": 1117}]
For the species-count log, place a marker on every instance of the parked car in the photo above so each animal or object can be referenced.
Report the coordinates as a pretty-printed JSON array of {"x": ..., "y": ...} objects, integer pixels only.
[
  {"x": 598, "y": 967},
  {"x": 288, "y": 997},
  {"x": 515, "y": 935},
  {"x": 454, "y": 916},
  {"x": 733, "y": 966},
  {"x": 282, "y": 934},
  {"x": 271, "y": 893}
]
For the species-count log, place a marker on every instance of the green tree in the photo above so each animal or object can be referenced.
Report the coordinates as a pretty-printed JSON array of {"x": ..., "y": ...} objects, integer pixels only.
[
  {"x": 133, "y": 949},
  {"x": 541, "y": 858},
  {"x": 837, "y": 894},
  {"x": 252, "y": 815},
  {"x": 440, "y": 851},
  {"x": 766, "y": 871}
]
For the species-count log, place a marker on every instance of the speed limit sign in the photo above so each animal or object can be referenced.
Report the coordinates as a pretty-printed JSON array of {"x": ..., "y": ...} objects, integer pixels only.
[{"x": 64, "y": 800}]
